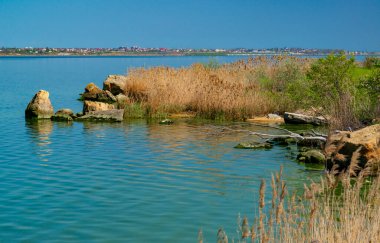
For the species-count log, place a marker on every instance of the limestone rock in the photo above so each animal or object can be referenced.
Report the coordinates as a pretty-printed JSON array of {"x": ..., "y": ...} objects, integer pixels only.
[
  {"x": 110, "y": 96},
  {"x": 294, "y": 118},
  {"x": 63, "y": 115},
  {"x": 92, "y": 88},
  {"x": 361, "y": 147},
  {"x": 113, "y": 115},
  {"x": 104, "y": 96},
  {"x": 89, "y": 106},
  {"x": 115, "y": 84},
  {"x": 40, "y": 106},
  {"x": 93, "y": 93}
]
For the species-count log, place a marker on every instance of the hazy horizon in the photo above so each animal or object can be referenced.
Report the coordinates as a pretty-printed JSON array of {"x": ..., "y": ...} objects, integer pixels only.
[
  {"x": 168, "y": 47},
  {"x": 323, "y": 24}
]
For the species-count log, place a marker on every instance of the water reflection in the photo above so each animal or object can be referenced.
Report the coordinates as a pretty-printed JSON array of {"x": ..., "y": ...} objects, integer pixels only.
[
  {"x": 40, "y": 131},
  {"x": 197, "y": 153},
  {"x": 131, "y": 170}
]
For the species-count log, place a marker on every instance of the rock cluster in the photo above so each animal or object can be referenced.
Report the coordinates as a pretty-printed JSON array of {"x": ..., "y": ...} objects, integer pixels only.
[
  {"x": 93, "y": 106},
  {"x": 107, "y": 103},
  {"x": 98, "y": 104}
]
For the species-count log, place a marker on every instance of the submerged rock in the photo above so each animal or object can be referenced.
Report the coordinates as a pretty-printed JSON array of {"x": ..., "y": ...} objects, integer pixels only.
[
  {"x": 294, "y": 118},
  {"x": 107, "y": 115},
  {"x": 253, "y": 145},
  {"x": 360, "y": 148},
  {"x": 89, "y": 106},
  {"x": 116, "y": 84},
  {"x": 40, "y": 106},
  {"x": 63, "y": 115},
  {"x": 312, "y": 156}
]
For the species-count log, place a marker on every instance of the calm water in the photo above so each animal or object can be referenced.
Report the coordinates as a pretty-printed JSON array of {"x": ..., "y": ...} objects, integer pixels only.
[{"x": 128, "y": 182}]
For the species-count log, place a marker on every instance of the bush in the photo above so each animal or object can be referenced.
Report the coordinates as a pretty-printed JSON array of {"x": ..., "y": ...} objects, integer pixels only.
[
  {"x": 331, "y": 78},
  {"x": 371, "y": 62},
  {"x": 332, "y": 87},
  {"x": 370, "y": 88}
]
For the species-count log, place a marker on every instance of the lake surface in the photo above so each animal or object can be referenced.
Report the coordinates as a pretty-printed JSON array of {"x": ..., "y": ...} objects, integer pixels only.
[{"x": 126, "y": 182}]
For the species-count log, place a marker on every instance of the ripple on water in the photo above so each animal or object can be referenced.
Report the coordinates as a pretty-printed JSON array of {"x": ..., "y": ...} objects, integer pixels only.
[
  {"x": 132, "y": 181},
  {"x": 128, "y": 182}
]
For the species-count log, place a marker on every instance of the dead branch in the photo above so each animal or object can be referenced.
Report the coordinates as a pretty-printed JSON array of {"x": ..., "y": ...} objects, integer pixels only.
[{"x": 290, "y": 134}]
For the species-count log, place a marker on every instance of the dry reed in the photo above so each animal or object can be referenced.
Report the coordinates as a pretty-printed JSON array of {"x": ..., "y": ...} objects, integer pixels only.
[
  {"x": 235, "y": 91},
  {"x": 337, "y": 209}
]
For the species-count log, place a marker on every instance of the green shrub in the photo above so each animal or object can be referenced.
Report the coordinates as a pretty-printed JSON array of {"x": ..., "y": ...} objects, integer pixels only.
[
  {"x": 371, "y": 62},
  {"x": 285, "y": 85},
  {"x": 369, "y": 89},
  {"x": 332, "y": 87},
  {"x": 331, "y": 78}
]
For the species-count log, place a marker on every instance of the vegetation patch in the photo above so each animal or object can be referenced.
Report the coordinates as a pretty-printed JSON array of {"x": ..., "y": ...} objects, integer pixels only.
[{"x": 334, "y": 87}]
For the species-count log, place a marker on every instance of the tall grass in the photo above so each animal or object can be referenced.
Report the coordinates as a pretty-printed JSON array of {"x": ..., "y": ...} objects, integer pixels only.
[
  {"x": 337, "y": 209},
  {"x": 233, "y": 91}
]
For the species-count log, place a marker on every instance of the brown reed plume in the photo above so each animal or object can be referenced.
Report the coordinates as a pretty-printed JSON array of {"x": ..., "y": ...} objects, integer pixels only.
[{"x": 349, "y": 212}]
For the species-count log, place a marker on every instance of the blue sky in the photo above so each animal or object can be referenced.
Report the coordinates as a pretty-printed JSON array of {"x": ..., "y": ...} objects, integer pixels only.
[{"x": 352, "y": 25}]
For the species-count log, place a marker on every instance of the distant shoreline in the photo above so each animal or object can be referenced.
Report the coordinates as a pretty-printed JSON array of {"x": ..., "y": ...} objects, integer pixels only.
[{"x": 181, "y": 55}]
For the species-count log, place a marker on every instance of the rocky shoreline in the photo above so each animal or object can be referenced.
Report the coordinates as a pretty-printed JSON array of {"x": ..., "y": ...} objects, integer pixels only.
[{"x": 342, "y": 151}]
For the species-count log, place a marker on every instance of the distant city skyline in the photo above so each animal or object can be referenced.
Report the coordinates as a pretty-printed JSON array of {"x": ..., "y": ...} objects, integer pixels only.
[{"x": 322, "y": 24}]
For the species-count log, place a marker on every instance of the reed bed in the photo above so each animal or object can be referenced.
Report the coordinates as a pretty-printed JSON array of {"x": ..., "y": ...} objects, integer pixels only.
[
  {"x": 337, "y": 209},
  {"x": 235, "y": 91}
]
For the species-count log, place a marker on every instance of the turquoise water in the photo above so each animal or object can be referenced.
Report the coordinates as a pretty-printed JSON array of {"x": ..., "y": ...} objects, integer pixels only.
[{"x": 128, "y": 182}]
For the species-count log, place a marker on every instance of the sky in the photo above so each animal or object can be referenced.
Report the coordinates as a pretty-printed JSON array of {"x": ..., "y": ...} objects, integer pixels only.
[{"x": 335, "y": 24}]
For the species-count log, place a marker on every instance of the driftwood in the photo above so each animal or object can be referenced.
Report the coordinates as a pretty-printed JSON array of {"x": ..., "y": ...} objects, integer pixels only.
[{"x": 289, "y": 134}]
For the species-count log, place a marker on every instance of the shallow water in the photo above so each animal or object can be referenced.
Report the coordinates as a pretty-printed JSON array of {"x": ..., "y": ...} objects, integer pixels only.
[{"x": 128, "y": 182}]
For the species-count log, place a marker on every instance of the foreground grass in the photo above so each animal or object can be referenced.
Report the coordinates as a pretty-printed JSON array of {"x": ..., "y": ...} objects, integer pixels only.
[{"x": 337, "y": 209}]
